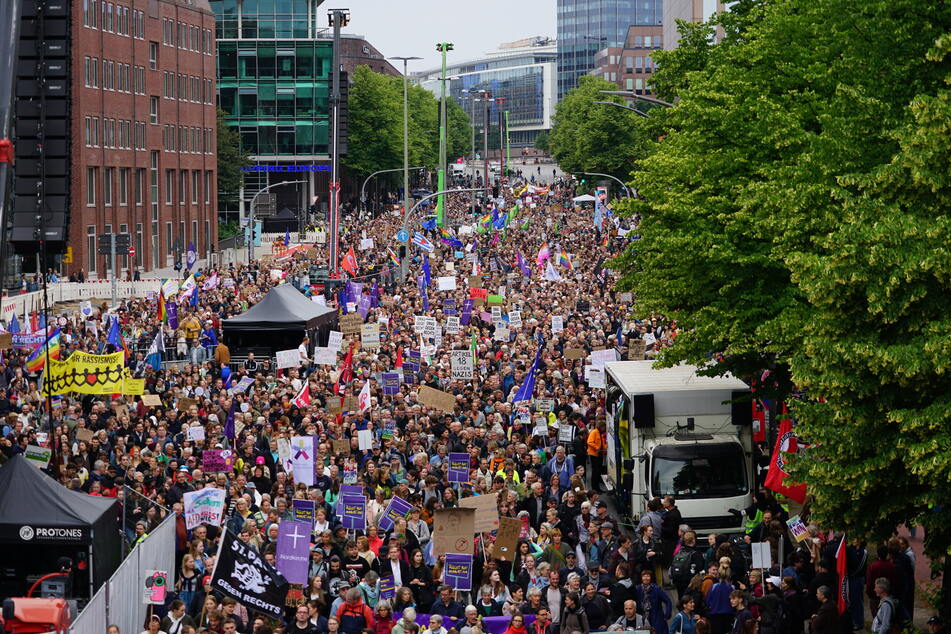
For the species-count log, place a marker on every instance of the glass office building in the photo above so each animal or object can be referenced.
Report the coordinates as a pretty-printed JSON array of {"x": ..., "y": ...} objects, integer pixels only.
[
  {"x": 523, "y": 73},
  {"x": 587, "y": 26}
]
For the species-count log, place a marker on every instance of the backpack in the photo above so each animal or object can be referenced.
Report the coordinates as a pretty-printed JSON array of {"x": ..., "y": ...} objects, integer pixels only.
[
  {"x": 901, "y": 620},
  {"x": 685, "y": 565}
]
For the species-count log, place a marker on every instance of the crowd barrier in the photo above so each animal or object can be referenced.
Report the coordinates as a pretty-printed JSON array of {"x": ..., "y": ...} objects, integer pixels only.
[
  {"x": 119, "y": 600},
  {"x": 23, "y": 305}
]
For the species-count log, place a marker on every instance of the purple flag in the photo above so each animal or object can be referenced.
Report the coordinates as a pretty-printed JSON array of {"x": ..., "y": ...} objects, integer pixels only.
[
  {"x": 449, "y": 306},
  {"x": 375, "y": 295},
  {"x": 172, "y": 310},
  {"x": 523, "y": 266},
  {"x": 293, "y": 550},
  {"x": 421, "y": 283},
  {"x": 466, "y": 312},
  {"x": 427, "y": 275},
  {"x": 458, "y": 571},
  {"x": 229, "y": 422},
  {"x": 397, "y": 508},
  {"x": 363, "y": 306},
  {"x": 458, "y": 467}
]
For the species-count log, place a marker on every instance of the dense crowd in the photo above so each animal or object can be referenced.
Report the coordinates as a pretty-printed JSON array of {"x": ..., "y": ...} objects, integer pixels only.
[{"x": 576, "y": 568}]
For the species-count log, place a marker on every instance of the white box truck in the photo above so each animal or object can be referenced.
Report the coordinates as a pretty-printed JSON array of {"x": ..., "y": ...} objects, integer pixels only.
[{"x": 672, "y": 432}]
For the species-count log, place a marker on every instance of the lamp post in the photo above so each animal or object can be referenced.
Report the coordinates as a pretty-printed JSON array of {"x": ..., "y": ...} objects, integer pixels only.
[
  {"x": 251, "y": 214},
  {"x": 339, "y": 18},
  {"x": 500, "y": 101},
  {"x": 624, "y": 188},
  {"x": 443, "y": 48},
  {"x": 406, "y": 61},
  {"x": 485, "y": 99}
]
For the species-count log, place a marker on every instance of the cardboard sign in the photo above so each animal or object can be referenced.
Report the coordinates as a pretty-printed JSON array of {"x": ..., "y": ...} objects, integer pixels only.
[
  {"x": 350, "y": 323},
  {"x": 574, "y": 353},
  {"x": 155, "y": 588},
  {"x": 6, "y": 340},
  {"x": 437, "y": 398},
  {"x": 152, "y": 400},
  {"x": 487, "y": 511},
  {"x": 334, "y": 405},
  {"x": 544, "y": 404},
  {"x": 453, "y": 531},
  {"x": 184, "y": 404},
  {"x": 461, "y": 363},
  {"x": 635, "y": 350},
  {"x": 84, "y": 435},
  {"x": 506, "y": 540},
  {"x": 594, "y": 376},
  {"x": 288, "y": 359},
  {"x": 341, "y": 445},
  {"x": 370, "y": 336}
]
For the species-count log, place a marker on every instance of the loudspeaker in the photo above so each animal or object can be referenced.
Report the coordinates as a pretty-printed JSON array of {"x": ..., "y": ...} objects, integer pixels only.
[
  {"x": 643, "y": 410},
  {"x": 741, "y": 412},
  {"x": 42, "y": 131}
]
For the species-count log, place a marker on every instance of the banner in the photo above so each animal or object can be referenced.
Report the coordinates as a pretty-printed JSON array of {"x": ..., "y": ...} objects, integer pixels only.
[
  {"x": 293, "y": 550},
  {"x": 396, "y": 509},
  {"x": 86, "y": 374},
  {"x": 242, "y": 574},
  {"x": 458, "y": 571},
  {"x": 217, "y": 460},
  {"x": 354, "y": 512},
  {"x": 391, "y": 383},
  {"x": 205, "y": 506},
  {"x": 302, "y": 459},
  {"x": 458, "y": 467}
]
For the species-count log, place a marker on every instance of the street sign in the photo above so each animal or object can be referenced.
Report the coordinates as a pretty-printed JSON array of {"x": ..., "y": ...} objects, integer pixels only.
[
  {"x": 265, "y": 205},
  {"x": 402, "y": 235},
  {"x": 132, "y": 251},
  {"x": 105, "y": 244},
  {"x": 123, "y": 240}
]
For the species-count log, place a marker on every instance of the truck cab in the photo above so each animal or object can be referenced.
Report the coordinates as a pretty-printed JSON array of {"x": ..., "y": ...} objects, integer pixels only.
[{"x": 672, "y": 432}]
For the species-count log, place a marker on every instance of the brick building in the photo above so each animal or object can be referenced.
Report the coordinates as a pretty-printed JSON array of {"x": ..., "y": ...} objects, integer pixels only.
[
  {"x": 143, "y": 151},
  {"x": 630, "y": 66}
]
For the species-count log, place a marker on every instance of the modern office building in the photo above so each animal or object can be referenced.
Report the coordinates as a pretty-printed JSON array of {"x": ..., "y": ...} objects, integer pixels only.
[
  {"x": 587, "y": 26},
  {"x": 689, "y": 11},
  {"x": 630, "y": 66},
  {"x": 142, "y": 131},
  {"x": 521, "y": 72}
]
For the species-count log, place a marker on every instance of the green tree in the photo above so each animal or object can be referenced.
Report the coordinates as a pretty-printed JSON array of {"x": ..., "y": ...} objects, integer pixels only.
[
  {"x": 375, "y": 122},
  {"x": 230, "y": 161},
  {"x": 592, "y": 137},
  {"x": 458, "y": 131},
  {"x": 541, "y": 141}
]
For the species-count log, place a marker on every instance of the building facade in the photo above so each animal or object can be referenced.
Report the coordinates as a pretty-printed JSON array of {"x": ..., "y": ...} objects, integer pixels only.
[
  {"x": 631, "y": 65},
  {"x": 522, "y": 73},
  {"x": 689, "y": 11},
  {"x": 587, "y": 26},
  {"x": 143, "y": 124}
]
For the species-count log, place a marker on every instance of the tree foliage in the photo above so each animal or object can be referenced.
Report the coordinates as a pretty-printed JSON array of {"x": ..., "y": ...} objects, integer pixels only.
[
  {"x": 796, "y": 219},
  {"x": 230, "y": 161},
  {"x": 592, "y": 137}
]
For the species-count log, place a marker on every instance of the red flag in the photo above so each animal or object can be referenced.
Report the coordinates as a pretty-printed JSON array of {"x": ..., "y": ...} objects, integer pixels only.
[
  {"x": 349, "y": 263},
  {"x": 346, "y": 372},
  {"x": 786, "y": 444},
  {"x": 303, "y": 397},
  {"x": 842, "y": 569},
  {"x": 399, "y": 357},
  {"x": 34, "y": 321}
]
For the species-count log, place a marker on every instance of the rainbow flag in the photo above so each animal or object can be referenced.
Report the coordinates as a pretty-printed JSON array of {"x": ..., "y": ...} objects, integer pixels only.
[
  {"x": 564, "y": 260},
  {"x": 486, "y": 219},
  {"x": 37, "y": 359},
  {"x": 395, "y": 261},
  {"x": 607, "y": 238},
  {"x": 162, "y": 314}
]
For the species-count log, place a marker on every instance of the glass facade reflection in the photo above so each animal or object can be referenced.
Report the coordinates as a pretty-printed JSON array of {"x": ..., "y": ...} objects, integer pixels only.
[{"x": 587, "y": 26}]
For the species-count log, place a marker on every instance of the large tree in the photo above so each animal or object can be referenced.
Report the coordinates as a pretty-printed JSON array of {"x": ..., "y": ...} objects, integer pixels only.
[{"x": 230, "y": 161}]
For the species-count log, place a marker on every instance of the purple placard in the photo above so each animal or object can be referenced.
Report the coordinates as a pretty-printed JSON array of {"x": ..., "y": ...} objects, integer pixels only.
[
  {"x": 354, "y": 512},
  {"x": 409, "y": 377},
  {"x": 397, "y": 508},
  {"x": 347, "y": 489},
  {"x": 171, "y": 310},
  {"x": 411, "y": 361},
  {"x": 466, "y": 312},
  {"x": 217, "y": 460},
  {"x": 304, "y": 510},
  {"x": 293, "y": 550},
  {"x": 486, "y": 317},
  {"x": 391, "y": 383},
  {"x": 363, "y": 306},
  {"x": 458, "y": 467},
  {"x": 458, "y": 571},
  {"x": 387, "y": 587},
  {"x": 449, "y": 306}
]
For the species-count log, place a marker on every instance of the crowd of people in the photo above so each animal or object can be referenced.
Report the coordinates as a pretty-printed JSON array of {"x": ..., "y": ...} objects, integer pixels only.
[{"x": 576, "y": 568}]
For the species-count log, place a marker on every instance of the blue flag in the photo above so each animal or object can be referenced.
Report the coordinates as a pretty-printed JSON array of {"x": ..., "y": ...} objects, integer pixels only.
[
  {"x": 429, "y": 225},
  {"x": 287, "y": 237},
  {"x": 14, "y": 325},
  {"x": 114, "y": 337},
  {"x": 527, "y": 388},
  {"x": 43, "y": 321},
  {"x": 421, "y": 283},
  {"x": 427, "y": 275},
  {"x": 194, "y": 299}
]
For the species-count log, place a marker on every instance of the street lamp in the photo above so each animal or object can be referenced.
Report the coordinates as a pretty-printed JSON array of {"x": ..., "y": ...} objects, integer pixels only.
[
  {"x": 338, "y": 18},
  {"x": 443, "y": 48},
  {"x": 405, "y": 61}
]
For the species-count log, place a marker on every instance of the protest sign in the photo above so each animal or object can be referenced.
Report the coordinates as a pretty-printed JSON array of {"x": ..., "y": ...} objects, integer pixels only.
[
  {"x": 365, "y": 438},
  {"x": 341, "y": 445},
  {"x": 600, "y": 357},
  {"x": 574, "y": 353},
  {"x": 594, "y": 376},
  {"x": 6, "y": 340},
  {"x": 325, "y": 356},
  {"x": 437, "y": 398},
  {"x": 288, "y": 359},
  {"x": 635, "y": 350},
  {"x": 396, "y": 509},
  {"x": 366, "y": 243},
  {"x": 302, "y": 459},
  {"x": 457, "y": 573},
  {"x": 304, "y": 510},
  {"x": 544, "y": 404},
  {"x": 205, "y": 506},
  {"x": 350, "y": 323},
  {"x": 155, "y": 588},
  {"x": 354, "y": 512},
  {"x": 515, "y": 319},
  {"x": 284, "y": 452},
  {"x": 152, "y": 400},
  {"x": 217, "y": 460},
  {"x": 461, "y": 362},
  {"x": 557, "y": 324},
  {"x": 487, "y": 511},
  {"x": 452, "y": 325},
  {"x": 293, "y": 550},
  {"x": 387, "y": 588},
  {"x": 458, "y": 467},
  {"x": 506, "y": 540},
  {"x": 797, "y": 528},
  {"x": 453, "y": 531},
  {"x": 335, "y": 340},
  {"x": 501, "y": 334},
  {"x": 83, "y": 434},
  {"x": 196, "y": 432},
  {"x": 370, "y": 336},
  {"x": 38, "y": 456},
  {"x": 391, "y": 383},
  {"x": 566, "y": 433},
  {"x": 447, "y": 283},
  {"x": 241, "y": 573}
]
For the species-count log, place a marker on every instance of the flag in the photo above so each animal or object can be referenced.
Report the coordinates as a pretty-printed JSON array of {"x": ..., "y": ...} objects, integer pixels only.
[
  {"x": 229, "y": 422},
  {"x": 427, "y": 273},
  {"x": 429, "y": 224},
  {"x": 527, "y": 388},
  {"x": 399, "y": 358},
  {"x": 303, "y": 397},
  {"x": 211, "y": 283},
  {"x": 364, "y": 399},
  {"x": 14, "y": 325},
  {"x": 423, "y": 243},
  {"x": 154, "y": 356},
  {"x": 551, "y": 274},
  {"x": 172, "y": 310},
  {"x": 43, "y": 321},
  {"x": 421, "y": 283},
  {"x": 194, "y": 298},
  {"x": 543, "y": 254},
  {"x": 287, "y": 237},
  {"x": 242, "y": 574},
  {"x": 349, "y": 263},
  {"x": 842, "y": 570},
  {"x": 346, "y": 372},
  {"x": 34, "y": 321},
  {"x": 786, "y": 444},
  {"x": 37, "y": 359},
  {"x": 522, "y": 265},
  {"x": 162, "y": 314},
  {"x": 474, "y": 347},
  {"x": 564, "y": 260},
  {"x": 191, "y": 257},
  {"x": 114, "y": 336},
  {"x": 395, "y": 261}
]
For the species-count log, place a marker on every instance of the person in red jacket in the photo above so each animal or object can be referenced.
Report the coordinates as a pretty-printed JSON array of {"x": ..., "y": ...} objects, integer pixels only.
[
  {"x": 354, "y": 615},
  {"x": 883, "y": 567}
]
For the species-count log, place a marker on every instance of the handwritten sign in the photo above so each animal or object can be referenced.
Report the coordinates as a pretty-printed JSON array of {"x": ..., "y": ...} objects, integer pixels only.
[
  {"x": 217, "y": 460},
  {"x": 437, "y": 399}
]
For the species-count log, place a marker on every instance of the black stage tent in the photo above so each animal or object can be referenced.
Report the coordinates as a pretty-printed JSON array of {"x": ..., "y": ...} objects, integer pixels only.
[
  {"x": 279, "y": 322},
  {"x": 41, "y": 521}
]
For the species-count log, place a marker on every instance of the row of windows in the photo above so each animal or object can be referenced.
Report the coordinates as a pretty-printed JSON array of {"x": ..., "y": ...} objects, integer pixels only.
[
  {"x": 186, "y": 36},
  {"x": 187, "y": 88},
  {"x": 114, "y": 185},
  {"x": 186, "y": 139},
  {"x": 201, "y": 243},
  {"x": 114, "y": 18},
  {"x": 115, "y": 76},
  {"x": 121, "y": 134}
]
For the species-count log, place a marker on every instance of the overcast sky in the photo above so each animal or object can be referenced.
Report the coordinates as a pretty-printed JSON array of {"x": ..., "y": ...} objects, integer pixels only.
[{"x": 413, "y": 27}]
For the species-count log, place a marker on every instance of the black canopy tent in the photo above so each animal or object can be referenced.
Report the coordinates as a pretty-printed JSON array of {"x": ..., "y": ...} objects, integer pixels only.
[
  {"x": 42, "y": 521},
  {"x": 279, "y": 322}
]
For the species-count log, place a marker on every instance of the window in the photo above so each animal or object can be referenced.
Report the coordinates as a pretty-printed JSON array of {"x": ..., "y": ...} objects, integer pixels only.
[
  {"x": 169, "y": 186},
  {"x": 195, "y": 234},
  {"x": 699, "y": 471},
  {"x": 107, "y": 186},
  {"x": 182, "y": 186},
  {"x": 123, "y": 186},
  {"x": 94, "y": 72},
  {"x": 208, "y": 186},
  {"x": 153, "y": 202},
  {"x": 86, "y": 73},
  {"x": 124, "y": 257},
  {"x": 139, "y": 178},
  {"x": 139, "y": 80},
  {"x": 88, "y": 131},
  {"x": 153, "y": 110},
  {"x": 168, "y": 238},
  {"x": 90, "y": 186},
  {"x": 153, "y": 55},
  {"x": 91, "y": 248},
  {"x": 628, "y": 84},
  {"x": 194, "y": 187}
]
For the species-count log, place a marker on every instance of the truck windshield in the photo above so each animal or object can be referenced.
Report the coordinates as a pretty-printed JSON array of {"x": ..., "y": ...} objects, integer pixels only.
[{"x": 699, "y": 471}]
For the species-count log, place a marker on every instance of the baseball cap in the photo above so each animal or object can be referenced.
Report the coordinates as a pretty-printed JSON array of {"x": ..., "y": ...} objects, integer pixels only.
[
  {"x": 601, "y": 505},
  {"x": 607, "y": 525},
  {"x": 774, "y": 580}
]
